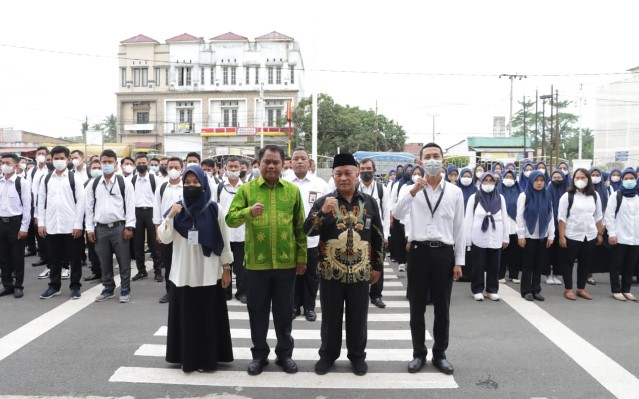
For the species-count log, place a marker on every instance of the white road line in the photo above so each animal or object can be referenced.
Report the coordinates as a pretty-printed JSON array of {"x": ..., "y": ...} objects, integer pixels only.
[
  {"x": 388, "y": 270},
  {"x": 619, "y": 381},
  {"x": 389, "y": 277},
  {"x": 389, "y": 304},
  {"x": 278, "y": 379},
  {"x": 389, "y": 335},
  {"x": 300, "y": 354},
  {"x": 371, "y": 317},
  {"x": 22, "y": 336},
  {"x": 393, "y": 284},
  {"x": 386, "y": 263}
]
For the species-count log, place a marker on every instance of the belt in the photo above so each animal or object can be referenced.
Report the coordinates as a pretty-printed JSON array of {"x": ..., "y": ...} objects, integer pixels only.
[
  {"x": 144, "y": 208},
  {"x": 9, "y": 219},
  {"x": 110, "y": 225},
  {"x": 432, "y": 244}
]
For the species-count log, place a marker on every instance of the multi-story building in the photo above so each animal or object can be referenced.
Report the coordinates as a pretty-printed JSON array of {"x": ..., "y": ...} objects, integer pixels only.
[
  {"x": 617, "y": 124},
  {"x": 218, "y": 97}
]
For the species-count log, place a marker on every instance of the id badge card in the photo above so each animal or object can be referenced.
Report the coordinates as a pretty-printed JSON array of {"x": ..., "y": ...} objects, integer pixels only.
[
  {"x": 312, "y": 196},
  {"x": 193, "y": 237},
  {"x": 367, "y": 224},
  {"x": 432, "y": 231}
]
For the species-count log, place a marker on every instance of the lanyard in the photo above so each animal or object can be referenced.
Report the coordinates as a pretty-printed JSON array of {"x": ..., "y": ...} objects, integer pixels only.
[
  {"x": 432, "y": 211},
  {"x": 186, "y": 210}
]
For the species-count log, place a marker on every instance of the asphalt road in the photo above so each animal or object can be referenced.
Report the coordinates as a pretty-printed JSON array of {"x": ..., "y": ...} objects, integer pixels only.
[{"x": 506, "y": 349}]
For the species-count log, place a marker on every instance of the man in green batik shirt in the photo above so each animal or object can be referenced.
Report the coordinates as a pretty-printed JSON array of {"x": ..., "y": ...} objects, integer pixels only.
[{"x": 275, "y": 252}]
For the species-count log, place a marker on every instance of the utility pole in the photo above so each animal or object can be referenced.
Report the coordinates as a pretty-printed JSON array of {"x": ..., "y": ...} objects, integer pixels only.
[
  {"x": 543, "y": 123},
  {"x": 557, "y": 132},
  {"x": 524, "y": 156},
  {"x": 376, "y": 125},
  {"x": 536, "y": 117},
  {"x": 512, "y": 78},
  {"x": 552, "y": 109},
  {"x": 434, "y": 116},
  {"x": 581, "y": 87}
]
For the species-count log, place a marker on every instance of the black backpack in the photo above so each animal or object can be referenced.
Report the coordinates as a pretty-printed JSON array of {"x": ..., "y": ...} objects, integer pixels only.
[
  {"x": 46, "y": 187},
  {"x": 151, "y": 177},
  {"x": 571, "y": 199},
  {"x": 120, "y": 180}
]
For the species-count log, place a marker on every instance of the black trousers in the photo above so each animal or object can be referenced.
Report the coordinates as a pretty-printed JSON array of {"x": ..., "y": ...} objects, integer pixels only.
[
  {"x": 583, "y": 251},
  {"x": 166, "y": 252},
  {"x": 430, "y": 268},
  {"x": 485, "y": 259},
  {"x": 239, "y": 270},
  {"x": 398, "y": 241},
  {"x": 553, "y": 263},
  {"x": 264, "y": 287},
  {"x": 60, "y": 246},
  {"x": 144, "y": 227},
  {"x": 42, "y": 245},
  {"x": 306, "y": 285},
  {"x": 94, "y": 259},
  {"x": 511, "y": 259},
  {"x": 377, "y": 288},
  {"x": 31, "y": 235},
  {"x": 334, "y": 294},
  {"x": 622, "y": 262},
  {"x": 11, "y": 254},
  {"x": 535, "y": 254}
]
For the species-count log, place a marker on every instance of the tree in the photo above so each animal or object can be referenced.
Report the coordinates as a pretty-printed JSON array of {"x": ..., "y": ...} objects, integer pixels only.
[
  {"x": 109, "y": 127},
  {"x": 348, "y": 128}
]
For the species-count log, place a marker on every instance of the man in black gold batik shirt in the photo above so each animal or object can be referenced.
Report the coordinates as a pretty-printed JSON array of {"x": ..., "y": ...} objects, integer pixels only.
[{"x": 350, "y": 258}]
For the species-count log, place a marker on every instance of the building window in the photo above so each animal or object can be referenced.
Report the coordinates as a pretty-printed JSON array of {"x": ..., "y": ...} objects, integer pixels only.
[
  {"x": 278, "y": 75},
  {"x": 270, "y": 75},
  {"x": 185, "y": 118},
  {"x": 156, "y": 75},
  {"x": 225, "y": 75},
  {"x": 142, "y": 117},
  {"x": 202, "y": 76},
  {"x": 233, "y": 75},
  {"x": 123, "y": 76},
  {"x": 184, "y": 76},
  {"x": 166, "y": 77},
  {"x": 292, "y": 74},
  {"x": 257, "y": 75},
  {"x": 229, "y": 113},
  {"x": 248, "y": 75},
  {"x": 140, "y": 77},
  {"x": 212, "y": 74},
  {"x": 274, "y": 111}
]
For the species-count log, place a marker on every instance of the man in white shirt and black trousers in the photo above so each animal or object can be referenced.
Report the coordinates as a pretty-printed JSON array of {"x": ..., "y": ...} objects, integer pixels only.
[
  {"x": 144, "y": 186},
  {"x": 15, "y": 218},
  {"x": 110, "y": 220},
  {"x": 60, "y": 217},
  {"x": 435, "y": 210},
  {"x": 34, "y": 176},
  {"x": 166, "y": 195}
]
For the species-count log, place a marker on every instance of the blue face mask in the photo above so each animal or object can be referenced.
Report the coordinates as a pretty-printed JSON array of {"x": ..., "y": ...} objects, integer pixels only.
[
  {"x": 629, "y": 184},
  {"x": 108, "y": 169}
]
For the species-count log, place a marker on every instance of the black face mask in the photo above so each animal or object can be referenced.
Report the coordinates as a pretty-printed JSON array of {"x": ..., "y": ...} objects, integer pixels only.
[
  {"x": 192, "y": 193},
  {"x": 366, "y": 176},
  {"x": 142, "y": 168},
  {"x": 163, "y": 170},
  {"x": 50, "y": 166},
  {"x": 408, "y": 176},
  {"x": 558, "y": 183},
  {"x": 70, "y": 165},
  {"x": 242, "y": 174}
]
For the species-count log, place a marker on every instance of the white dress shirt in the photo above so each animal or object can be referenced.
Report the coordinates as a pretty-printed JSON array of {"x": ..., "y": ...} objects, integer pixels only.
[
  {"x": 81, "y": 175},
  {"x": 446, "y": 225},
  {"x": 109, "y": 204},
  {"x": 10, "y": 204},
  {"x": 172, "y": 194},
  {"x": 384, "y": 207},
  {"x": 189, "y": 265},
  {"x": 626, "y": 225},
  {"x": 522, "y": 228},
  {"x": 311, "y": 188},
  {"x": 35, "y": 181},
  {"x": 236, "y": 234},
  {"x": 584, "y": 216},
  {"x": 144, "y": 196},
  {"x": 491, "y": 238},
  {"x": 62, "y": 215}
]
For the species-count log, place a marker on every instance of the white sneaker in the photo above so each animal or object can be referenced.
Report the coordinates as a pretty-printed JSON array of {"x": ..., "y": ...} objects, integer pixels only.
[
  {"x": 65, "y": 274},
  {"x": 502, "y": 281},
  {"x": 44, "y": 274},
  {"x": 401, "y": 267},
  {"x": 550, "y": 280},
  {"x": 557, "y": 280},
  {"x": 478, "y": 297},
  {"x": 491, "y": 296},
  {"x": 516, "y": 281}
]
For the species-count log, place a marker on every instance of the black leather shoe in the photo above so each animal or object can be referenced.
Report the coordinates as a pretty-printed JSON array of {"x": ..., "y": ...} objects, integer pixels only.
[
  {"x": 444, "y": 366},
  {"x": 41, "y": 262},
  {"x": 241, "y": 298},
  {"x": 6, "y": 291},
  {"x": 256, "y": 366},
  {"x": 528, "y": 297},
  {"x": 158, "y": 277},
  {"x": 92, "y": 277},
  {"x": 322, "y": 366},
  {"x": 165, "y": 298},
  {"x": 288, "y": 365},
  {"x": 378, "y": 302},
  {"x": 310, "y": 315},
  {"x": 538, "y": 297},
  {"x": 17, "y": 293},
  {"x": 139, "y": 276},
  {"x": 359, "y": 367},
  {"x": 296, "y": 312},
  {"x": 416, "y": 364}
]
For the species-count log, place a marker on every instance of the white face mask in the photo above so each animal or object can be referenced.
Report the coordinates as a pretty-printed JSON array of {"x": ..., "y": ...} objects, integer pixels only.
[
  {"x": 232, "y": 175},
  {"x": 527, "y": 173},
  {"x": 75, "y": 162},
  {"x": 615, "y": 179},
  {"x": 6, "y": 169},
  {"x": 41, "y": 159},
  {"x": 23, "y": 166},
  {"x": 255, "y": 172},
  {"x": 478, "y": 174},
  {"x": 466, "y": 181},
  {"x": 581, "y": 184},
  {"x": 60, "y": 164},
  {"x": 565, "y": 171},
  {"x": 433, "y": 167},
  {"x": 415, "y": 178},
  {"x": 487, "y": 187},
  {"x": 596, "y": 179},
  {"x": 128, "y": 169},
  {"x": 542, "y": 170},
  {"x": 509, "y": 182},
  {"x": 173, "y": 174},
  {"x": 191, "y": 164}
]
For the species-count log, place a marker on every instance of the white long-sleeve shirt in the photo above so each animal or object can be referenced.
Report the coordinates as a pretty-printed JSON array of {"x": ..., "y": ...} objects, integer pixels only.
[
  {"x": 491, "y": 238},
  {"x": 164, "y": 202},
  {"x": 447, "y": 223},
  {"x": 311, "y": 188},
  {"x": 144, "y": 195},
  {"x": 383, "y": 206},
  {"x": 236, "y": 234},
  {"x": 584, "y": 216},
  {"x": 626, "y": 225},
  {"x": 522, "y": 229},
  {"x": 62, "y": 215},
  {"x": 109, "y": 204},
  {"x": 14, "y": 204}
]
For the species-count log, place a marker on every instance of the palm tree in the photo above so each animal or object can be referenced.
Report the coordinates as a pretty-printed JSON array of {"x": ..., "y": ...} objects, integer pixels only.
[{"x": 109, "y": 127}]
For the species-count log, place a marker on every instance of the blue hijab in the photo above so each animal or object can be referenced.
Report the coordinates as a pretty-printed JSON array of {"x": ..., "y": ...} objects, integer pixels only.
[
  {"x": 511, "y": 194},
  {"x": 202, "y": 214},
  {"x": 495, "y": 165},
  {"x": 514, "y": 168},
  {"x": 469, "y": 190},
  {"x": 491, "y": 202},
  {"x": 538, "y": 206},
  {"x": 546, "y": 175},
  {"x": 389, "y": 174},
  {"x": 410, "y": 182},
  {"x": 450, "y": 169},
  {"x": 617, "y": 185},
  {"x": 523, "y": 180},
  {"x": 555, "y": 192},
  {"x": 567, "y": 176},
  {"x": 406, "y": 176},
  {"x": 601, "y": 188},
  {"x": 397, "y": 175},
  {"x": 632, "y": 191}
]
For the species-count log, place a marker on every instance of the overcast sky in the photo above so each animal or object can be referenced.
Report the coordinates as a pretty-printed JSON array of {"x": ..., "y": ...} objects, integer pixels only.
[{"x": 58, "y": 58}]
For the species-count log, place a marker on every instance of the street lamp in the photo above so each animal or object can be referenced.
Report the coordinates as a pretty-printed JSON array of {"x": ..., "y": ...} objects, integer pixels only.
[{"x": 543, "y": 122}]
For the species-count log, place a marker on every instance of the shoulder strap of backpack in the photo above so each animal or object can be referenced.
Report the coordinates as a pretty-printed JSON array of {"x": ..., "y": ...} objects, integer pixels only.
[
  {"x": 133, "y": 180},
  {"x": 162, "y": 188},
  {"x": 571, "y": 199},
  {"x": 152, "y": 178},
  {"x": 46, "y": 188},
  {"x": 18, "y": 184},
  {"x": 95, "y": 187},
  {"x": 220, "y": 187},
  {"x": 72, "y": 184},
  {"x": 33, "y": 172},
  {"x": 121, "y": 184},
  {"x": 619, "y": 199},
  {"x": 380, "y": 191}
]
